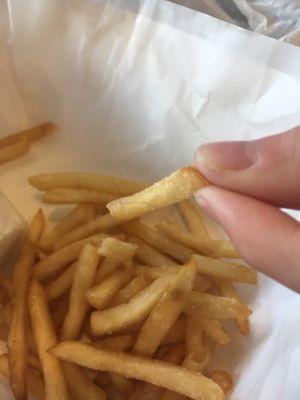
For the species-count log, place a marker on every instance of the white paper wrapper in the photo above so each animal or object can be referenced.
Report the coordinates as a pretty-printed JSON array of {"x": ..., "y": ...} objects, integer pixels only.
[{"x": 135, "y": 88}]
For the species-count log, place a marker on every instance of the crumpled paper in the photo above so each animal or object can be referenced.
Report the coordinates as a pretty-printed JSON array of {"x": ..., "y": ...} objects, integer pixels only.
[{"x": 135, "y": 86}]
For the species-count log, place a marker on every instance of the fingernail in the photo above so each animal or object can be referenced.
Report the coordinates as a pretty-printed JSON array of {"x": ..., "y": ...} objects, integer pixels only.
[
  {"x": 203, "y": 197},
  {"x": 227, "y": 155}
]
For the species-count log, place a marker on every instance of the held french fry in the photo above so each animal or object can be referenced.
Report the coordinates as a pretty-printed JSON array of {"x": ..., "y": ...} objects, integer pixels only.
[
  {"x": 225, "y": 269},
  {"x": 172, "y": 377},
  {"x": 76, "y": 196},
  {"x": 125, "y": 315},
  {"x": 166, "y": 311},
  {"x": 29, "y": 135},
  {"x": 17, "y": 339},
  {"x": 98, "y": 224},
  {"x": 79, "y": 215},
  {"x": 178, "y": 186},
  {"x": 154, "y": 238},
  {"x": 89, "y": 181},
  {"x": 11, "y": 151},
  {"x": 82, "y": 281},
  {"x": 45, "y": 338},
  {"x": 61, "y": 258}
]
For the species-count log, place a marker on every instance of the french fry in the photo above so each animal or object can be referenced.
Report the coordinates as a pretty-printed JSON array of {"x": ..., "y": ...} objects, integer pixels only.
[
  {"x": 45, "y": 337},
  {"x": 226, "y": 289},
  {"x": 149, "y": 255},
  {"x": 215, "y": 307},
  {"x": 114, "y": 248},
  {"x": 30, "y": 134},
  {"x": 34, "y": 362},
  {"x": 197, "y": 354},
  {"x": 62, "y": 284},
  {"x": 177, "y": 332},
  {"x": 125, "y": 315},
  {"x": 227, "y": 250},
  {"x": 193, "y": 218},
  {"x": 11, "y": 151},
  {"x": 131, "y": 289},
  {"x": 155, "y": 272},
  {"x": 80, "y": 385},
  {"x": 37, "y": 226},
  {"x": 166, "y": 311},
  {"x": 156, "y": 372},
  {"x": 223, "y": 379},
  {"x": 213, "y": 329},
  {"x": 201, "y": 244},
  {"x": 35, "y": 383},
  {"x": 6, "y": 284},
  {"x": 178, "y": 186},
  {"x": 98, "y": 224},
  {"x": 60, "y": 313},
  {"x": 17, "y": 340},
  {"x": 76, "y": 196},
  {"x": 106, "y": 268},
  {"x": 225, "y": 270},
  {"x": 61, "y": 258},
  {"x": 116, "y": 343},
  {"x": 147, "y": 391},
  {"x": 99, "y": 296},
  {"x": 89, "y": 181},
  {"x": 82, "y": 281},
  {"x": 79, "y": 215},
  {"x": 154, "y": 238}
]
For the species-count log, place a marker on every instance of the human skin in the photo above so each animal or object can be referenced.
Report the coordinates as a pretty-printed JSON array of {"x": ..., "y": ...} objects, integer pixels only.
[{"x": 250, "y": 182}]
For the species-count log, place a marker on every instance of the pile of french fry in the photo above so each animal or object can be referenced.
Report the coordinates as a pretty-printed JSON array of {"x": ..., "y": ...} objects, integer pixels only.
[{"x": 104, "y": 306}]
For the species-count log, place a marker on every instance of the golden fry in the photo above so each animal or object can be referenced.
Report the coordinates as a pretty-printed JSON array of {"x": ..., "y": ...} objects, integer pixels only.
[
  {"x": 17, "y": 340},
  {"x": 98, "y": 224},
  {"x": 107, "y": 267},
  {"x": 149, "y": 255},
  {"x": 29, "y": 135},
  {"x": 61, "y": 258},
  {"x": 216, "y": 307},
  {"x": 156, "y": 372},
  {"x": 45, "y": 338},
  {"x": 89, "y": 181},
  {"x": 82, "y": 281},
  {"x": 35, "y": 383},
  {"x": 154, "y": 238},
  {"x": 213, "y": 329},
  {"x": 166, "y": 311},
  {"x": 99, "y": 296},
  {"x": 79, "y": 215},
  {"x": 225, "y": 269},
  {"x": 178, "y": 186},
  {"x": 11, "y": 151},
  {"x": 76, "y": 196},
  {"x": 135, "y": 286},
  {"x": 62, "y": 284},
  {"x": 114, "y": 248},
  {"x": 226, "y": 289},
  {"x": 125, "y": 315}
]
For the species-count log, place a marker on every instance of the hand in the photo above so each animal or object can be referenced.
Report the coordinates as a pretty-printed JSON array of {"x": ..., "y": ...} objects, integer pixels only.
[{"x": 252, "y": 180}]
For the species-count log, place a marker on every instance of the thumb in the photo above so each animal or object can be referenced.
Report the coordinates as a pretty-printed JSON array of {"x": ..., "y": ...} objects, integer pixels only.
[
  {"x": 267, "y": 238},
  {"x": 267, "y": 169}
]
